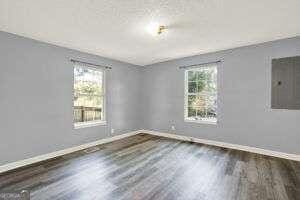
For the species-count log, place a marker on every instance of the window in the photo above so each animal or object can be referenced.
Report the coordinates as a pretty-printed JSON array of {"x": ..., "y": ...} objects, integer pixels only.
[
  {"x": 201, "y": 94},
  {"x": 89, "y": 96}
]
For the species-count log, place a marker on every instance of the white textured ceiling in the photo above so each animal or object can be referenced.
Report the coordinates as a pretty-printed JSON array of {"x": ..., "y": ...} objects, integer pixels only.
[{"x": 117, "y": 28}]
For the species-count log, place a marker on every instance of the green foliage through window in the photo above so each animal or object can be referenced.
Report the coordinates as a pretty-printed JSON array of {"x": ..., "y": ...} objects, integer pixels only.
[{"x": 202, "y": 93}]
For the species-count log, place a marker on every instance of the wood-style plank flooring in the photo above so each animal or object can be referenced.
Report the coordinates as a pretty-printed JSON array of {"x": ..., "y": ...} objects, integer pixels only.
[{"x": 145, "y": 167}]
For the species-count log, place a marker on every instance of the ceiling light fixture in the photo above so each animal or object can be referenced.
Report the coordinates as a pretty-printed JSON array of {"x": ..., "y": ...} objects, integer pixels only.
[{"x": 155, "y": 28}]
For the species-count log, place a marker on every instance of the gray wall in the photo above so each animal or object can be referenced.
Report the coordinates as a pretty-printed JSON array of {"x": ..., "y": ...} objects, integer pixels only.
[
  {"x": 244, "y": 98},
  {"x": 36, "y": 84}
]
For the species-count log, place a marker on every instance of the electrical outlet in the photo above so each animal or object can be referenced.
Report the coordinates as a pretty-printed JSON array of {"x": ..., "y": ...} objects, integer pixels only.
[
  {"x": 112, "y": 130},
  {"x": 173, "y": 128}
]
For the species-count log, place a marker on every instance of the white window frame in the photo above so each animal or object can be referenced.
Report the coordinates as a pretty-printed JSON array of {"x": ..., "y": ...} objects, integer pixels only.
[
  {"x": 186, "y": 93},
  {"x": 78, "y": 125}
]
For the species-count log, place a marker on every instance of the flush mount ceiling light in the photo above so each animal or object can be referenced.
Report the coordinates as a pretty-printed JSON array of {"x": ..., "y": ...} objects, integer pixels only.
[{"x": 155, "y": 29}]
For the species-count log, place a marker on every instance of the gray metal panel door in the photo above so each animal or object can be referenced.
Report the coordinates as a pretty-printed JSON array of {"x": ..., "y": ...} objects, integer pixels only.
[{"x": 286, "y": 83}]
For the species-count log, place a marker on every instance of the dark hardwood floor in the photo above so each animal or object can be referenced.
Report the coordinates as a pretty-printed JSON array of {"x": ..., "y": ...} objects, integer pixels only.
[{"x": 145, "y": 167}]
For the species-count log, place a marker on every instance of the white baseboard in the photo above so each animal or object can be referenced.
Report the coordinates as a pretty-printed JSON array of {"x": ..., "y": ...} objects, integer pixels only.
[
  {"x": 29, "y": 161},
  {"x": 226, "y": 145}
]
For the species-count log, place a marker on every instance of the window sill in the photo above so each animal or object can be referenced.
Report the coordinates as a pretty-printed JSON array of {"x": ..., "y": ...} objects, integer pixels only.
[
  {"x": 201, "y": 121},
  {"x": 89, "y": 124}
]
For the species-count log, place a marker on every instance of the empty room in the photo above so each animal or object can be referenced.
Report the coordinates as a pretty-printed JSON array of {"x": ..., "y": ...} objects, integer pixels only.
[{"x": 149, "y": 100}]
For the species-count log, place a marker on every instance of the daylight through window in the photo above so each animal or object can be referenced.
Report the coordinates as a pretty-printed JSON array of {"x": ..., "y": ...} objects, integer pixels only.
[
  {"x": 201, "y": 94},
  {"x": 88, "y": 95}
]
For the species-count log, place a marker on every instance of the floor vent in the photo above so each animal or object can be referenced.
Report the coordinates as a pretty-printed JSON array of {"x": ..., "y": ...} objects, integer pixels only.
[{"x": 91, "y": 150}]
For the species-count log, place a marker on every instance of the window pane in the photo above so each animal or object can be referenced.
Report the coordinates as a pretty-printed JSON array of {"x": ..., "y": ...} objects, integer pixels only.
[
  {"x": 211, "y": 106},
  {"x": 211, "y": 102},
  {"x": 196, "y": 101},
  {"x": 191, "y": 100},
  {"x": 201, "y": 113},
  {"x": 214, "y": 74},
  {"x": 191, "y": 112},
  {"x": 212, "y": 115},
  {"x": 88, "y": 94},
  {"x": 211, "y": 87},
  {"x": 192, "y": 76},
  {"x": 208, "y": 74},
  {"x": 201, "y": 86},
  {"x": 200, "y": 102},
  {"x": 192, "y": 87},
  {"x": 201, "y": 75}
]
